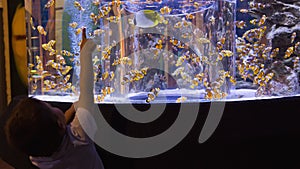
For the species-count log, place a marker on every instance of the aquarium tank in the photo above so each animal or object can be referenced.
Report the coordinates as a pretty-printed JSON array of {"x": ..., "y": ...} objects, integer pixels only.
[{"x": 154, "y": 51}]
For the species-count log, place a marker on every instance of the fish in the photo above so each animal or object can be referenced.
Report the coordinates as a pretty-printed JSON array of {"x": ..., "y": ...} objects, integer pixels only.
[
  {"x": 60, "y": 59},
  {"x": 294, "y": 34},
  {"x": 66, "y": 79},
  {"x": 73, "y": 24},
  {"x": 32, "y": 24},
  {"x": 116, "y": 3},
  {"x": 212, "y": 20},
  {"x": 66, "y": 70},
  {"x": 105, "y": 75},
  {"x": 296, "y": 62},
  {"x": 262, "y": 20},
  {"x": 189, "y": 16},
  {"x": 49, "y": 3},
  {"x": 78, "y": 31},
  {"x": 240, "y": 24},
  {"x": 95, "y": 60},
  {"x": 146, "y": 19},
  {"x": 66, "y": 53},
  {"x": 94, "y": 18},
  {"x": 227, "y": 53},
  {"x": 232, "y": 80},
  {"x": 144, "y": 70},
  {"x": 98, "y": 32},
  {"x": 289, "y": 52},
  {"x": 114, "y": 19},
  {"x": 78, "y": 6},
  {"x": 165, "y": 10},
  {"x": 104, "y": 11},
  {"x": 244, "y": 10},
  {"x": 254, "y": 21},
  {"x": 181, "y": 99},
  {"x": 96, "y": 2},
  {"x": 253, "y": 4},
  {"x": 41, "y": 30},
  {"x": 178, "y": 25},
  {"x": 111, "y": 75},
  {"x": 159, "y": 45},
  {"x": 274, "y": 53},
  {"x": 209, "y": 94},
  {"x": 100, "y": 98},
  {"x": 152, "y": 94}
]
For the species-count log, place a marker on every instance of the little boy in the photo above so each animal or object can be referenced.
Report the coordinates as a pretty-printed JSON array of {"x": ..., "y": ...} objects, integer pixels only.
[{"x": 43, "y": 132}]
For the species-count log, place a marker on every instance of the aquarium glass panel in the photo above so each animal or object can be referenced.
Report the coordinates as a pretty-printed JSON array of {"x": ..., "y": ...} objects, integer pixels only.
[{"x": 154, "y": 51}]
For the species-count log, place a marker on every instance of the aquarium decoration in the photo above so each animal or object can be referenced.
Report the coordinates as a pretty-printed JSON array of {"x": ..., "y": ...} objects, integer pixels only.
[{"x": 154, "y": 51}]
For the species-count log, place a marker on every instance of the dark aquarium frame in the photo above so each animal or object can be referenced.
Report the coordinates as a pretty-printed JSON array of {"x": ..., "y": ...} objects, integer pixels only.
[{"x": 251, "y": 134}]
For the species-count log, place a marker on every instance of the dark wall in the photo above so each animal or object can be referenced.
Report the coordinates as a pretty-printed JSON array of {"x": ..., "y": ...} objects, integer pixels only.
[{"x": 7, "y": 153}]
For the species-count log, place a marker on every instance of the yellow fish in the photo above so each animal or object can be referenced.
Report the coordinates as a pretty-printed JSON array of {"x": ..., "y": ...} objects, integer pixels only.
[
  {"x": 78, "y": 6},
  {"x": 41, "y": 30},
  {"x": 165, "y": 10},
  {"x": 49, "y": 3},
  {"x": 146, "y": 19}
]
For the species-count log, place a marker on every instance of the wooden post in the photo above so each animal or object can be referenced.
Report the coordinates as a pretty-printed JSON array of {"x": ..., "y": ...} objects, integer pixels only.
[
  {"x": 58, "y": 24},
  {"x": 3, "y": 98},
  {"x": 6, "y": 50}
]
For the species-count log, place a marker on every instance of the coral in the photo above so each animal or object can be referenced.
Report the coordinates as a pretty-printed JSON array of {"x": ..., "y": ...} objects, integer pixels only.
[{"x": 284, "y": 82}]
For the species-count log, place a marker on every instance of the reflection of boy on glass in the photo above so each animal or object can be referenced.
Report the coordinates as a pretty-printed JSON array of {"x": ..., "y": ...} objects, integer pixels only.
[{"x": 53, "y": 139}]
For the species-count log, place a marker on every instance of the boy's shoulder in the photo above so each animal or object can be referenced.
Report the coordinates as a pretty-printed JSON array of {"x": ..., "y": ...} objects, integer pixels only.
[{"x": 83, "y": 126}]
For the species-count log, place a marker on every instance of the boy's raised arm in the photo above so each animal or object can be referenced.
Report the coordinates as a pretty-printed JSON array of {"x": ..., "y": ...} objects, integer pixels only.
[{"x": 86, "y": 82}]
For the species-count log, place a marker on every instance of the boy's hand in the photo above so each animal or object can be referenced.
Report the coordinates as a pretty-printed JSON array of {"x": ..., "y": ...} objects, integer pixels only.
[
  {"x": 83, "y": 41},
  {"x": 70, "y": 114}
]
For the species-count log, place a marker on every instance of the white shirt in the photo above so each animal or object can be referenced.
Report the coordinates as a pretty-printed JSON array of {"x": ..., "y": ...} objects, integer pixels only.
[{"x": 77, "y": 150}]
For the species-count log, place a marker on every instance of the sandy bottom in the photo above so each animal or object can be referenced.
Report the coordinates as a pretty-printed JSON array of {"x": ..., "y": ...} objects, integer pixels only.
[{"x": 164, "y": 96}]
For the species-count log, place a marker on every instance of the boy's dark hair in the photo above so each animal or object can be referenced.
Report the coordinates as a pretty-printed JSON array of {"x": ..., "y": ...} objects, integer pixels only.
[{"x": 33, "y": 129}]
